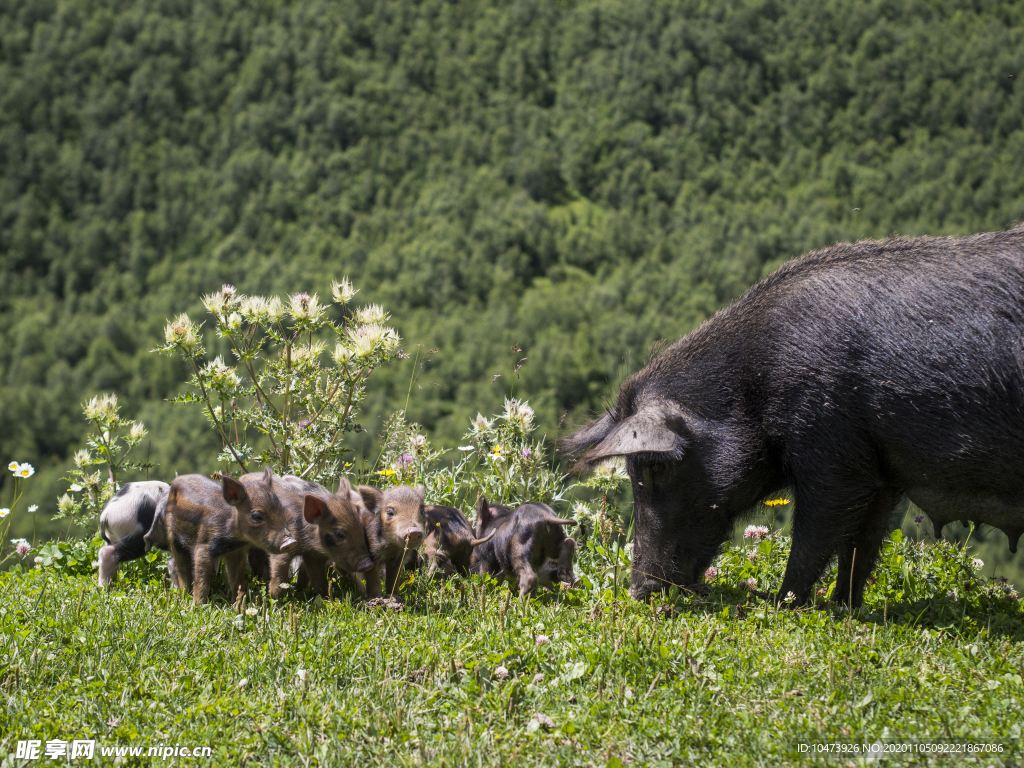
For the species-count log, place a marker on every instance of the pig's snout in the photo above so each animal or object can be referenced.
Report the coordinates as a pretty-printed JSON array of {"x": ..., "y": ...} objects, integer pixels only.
[
  {"x": 288, "y": 545},
  {"x": 366, "y": 565},
  {"x": 414, "y": 536}
]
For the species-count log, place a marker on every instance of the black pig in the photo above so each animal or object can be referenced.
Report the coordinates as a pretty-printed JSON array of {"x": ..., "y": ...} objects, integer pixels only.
[
  {"x": 853, "y": 375},
  {"x": 527, "y": 546}
]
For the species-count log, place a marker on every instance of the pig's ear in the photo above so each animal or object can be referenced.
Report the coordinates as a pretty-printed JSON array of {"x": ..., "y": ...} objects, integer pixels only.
[
  {"x": 268, "y": 476},
  {"x": 655, "y": 428},
  {"x": 483, "y": 515},
  {"x": 314, "y": 509},
  {"x": 234, "y": 492},
  {"x": 420, "y": 492},
  {"x": 344, "y": 488},
  {"x": 372, "y": 498}
]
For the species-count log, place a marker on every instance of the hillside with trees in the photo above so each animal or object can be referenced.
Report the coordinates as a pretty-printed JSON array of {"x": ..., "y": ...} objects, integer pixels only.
[{"x": 579, "y": 180}]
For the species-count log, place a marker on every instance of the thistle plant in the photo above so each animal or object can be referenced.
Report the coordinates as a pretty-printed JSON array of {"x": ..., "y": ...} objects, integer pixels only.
[
  {"x": 285, "y": 383},
  {"x": 512, "y": 467},
  {"x": 109, "y": 444}
]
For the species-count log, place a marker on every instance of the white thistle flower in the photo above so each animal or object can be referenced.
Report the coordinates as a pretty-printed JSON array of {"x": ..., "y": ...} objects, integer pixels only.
[
  {"x": 374, "y": 313},
  {"x": 302, "y": 306},
  {"x": 342, "y": 353},
  {"x": 343, "y": 291},
  {"x": 82, "y": 458},
  {"x": 275, "y": 309},
  {"x": 254, "y": 308},
  {"x": 481, "y": 424},
  {"x": 978, "y": 563},
  {"x": 101, "y": 407},
  {"x": 138, "y": 430},
  {"x": 519, "y": 413},
  {"x": 214, "y": 303},
  {"x": 303, "y": 354},
  {"x": 182, "y": 332}
]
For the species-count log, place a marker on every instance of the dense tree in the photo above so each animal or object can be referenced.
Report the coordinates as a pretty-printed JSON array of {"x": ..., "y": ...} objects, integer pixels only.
[{"x": 580, "y": 179}]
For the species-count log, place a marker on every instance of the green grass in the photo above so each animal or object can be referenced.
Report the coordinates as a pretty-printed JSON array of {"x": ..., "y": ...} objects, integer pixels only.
[{"x": 720, "y": 679}]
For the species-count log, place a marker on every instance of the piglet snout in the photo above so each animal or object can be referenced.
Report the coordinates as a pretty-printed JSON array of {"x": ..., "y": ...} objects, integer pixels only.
[
  {"x": 414, "y": 536},
  {"x": 288, "y": 545}
]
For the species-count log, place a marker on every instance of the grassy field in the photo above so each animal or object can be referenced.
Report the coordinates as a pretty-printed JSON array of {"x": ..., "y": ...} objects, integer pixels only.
[{"x": 467, "y": 675}]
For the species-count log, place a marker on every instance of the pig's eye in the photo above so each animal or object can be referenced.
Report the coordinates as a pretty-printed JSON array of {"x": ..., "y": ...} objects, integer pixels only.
[
  {"x": 657, "y": 467},
  {"x": 256, "y": 517},
  {"x": 329, "y": 540},
  {"x": 391, "y": 512}
]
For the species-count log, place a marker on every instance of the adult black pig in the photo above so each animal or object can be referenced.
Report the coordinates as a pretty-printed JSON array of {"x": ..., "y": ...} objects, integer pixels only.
[{"x": 853, "y": 375}]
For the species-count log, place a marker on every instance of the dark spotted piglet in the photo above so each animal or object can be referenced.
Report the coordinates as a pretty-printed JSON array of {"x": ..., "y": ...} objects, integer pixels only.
[
  {"x": 328, "y": 528},
  {"x": 528, "y": 545},
  {"x": 125, "y": 522},
  {"x": 395, "y": 526},
  {"x": 206, "y": 520},
  {"x": 448, "y": 546}
]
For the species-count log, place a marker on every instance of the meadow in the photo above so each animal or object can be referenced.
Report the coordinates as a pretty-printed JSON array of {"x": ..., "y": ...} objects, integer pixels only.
[{"x": 467, "y": 674}]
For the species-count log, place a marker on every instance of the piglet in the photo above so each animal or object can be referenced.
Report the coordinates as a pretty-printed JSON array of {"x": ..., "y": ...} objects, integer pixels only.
[
  {"x": 448, "y": 546},
  {"x": 206, "y": 520},
  {"x": 125, "y": 522},
  {"x": 395, "y": 526},
  {"x": 528, "y": 545},
  {"x": 328, "y": 528}
]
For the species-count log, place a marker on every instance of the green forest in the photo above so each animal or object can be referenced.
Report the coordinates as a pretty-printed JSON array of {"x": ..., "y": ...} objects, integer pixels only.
[{"x": 577, "y": 180}]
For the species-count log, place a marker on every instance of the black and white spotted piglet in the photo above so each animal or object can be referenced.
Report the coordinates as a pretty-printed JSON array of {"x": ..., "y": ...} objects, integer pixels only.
[{"x": 124, "y": 523}]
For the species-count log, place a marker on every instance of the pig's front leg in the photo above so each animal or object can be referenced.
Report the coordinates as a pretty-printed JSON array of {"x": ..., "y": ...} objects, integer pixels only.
[
  {"x": 527, "y": 578},
  {"x": 566, "y": 553},
  {"x": 203, "y": 567},
  {"x": 280, "y": 575},
  {"x": 234, "y": 566}
]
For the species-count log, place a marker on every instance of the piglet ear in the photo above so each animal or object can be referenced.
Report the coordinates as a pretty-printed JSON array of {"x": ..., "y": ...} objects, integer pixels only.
[
  {"x": 268, "y": 476},
  {"x": 344, "y": 487},
  {"x": 420, "y": 492},
  {"x": 483, "y": 515},
  {"x": 234, "y": 492},
  {"x": 314, "y": 509},
  {"x": 372, "y": 498}
]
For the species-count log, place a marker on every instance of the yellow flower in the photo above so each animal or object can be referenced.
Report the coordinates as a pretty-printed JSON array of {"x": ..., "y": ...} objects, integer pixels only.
[
  {"x": 13, "y": 466},
  {"x": 776, "y": 502},
  {"x": 387, "y": 472}
]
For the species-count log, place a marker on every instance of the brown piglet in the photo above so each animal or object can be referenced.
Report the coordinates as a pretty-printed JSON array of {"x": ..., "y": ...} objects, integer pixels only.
[
  {"x": 396, "y": 526},
  {"x": 206, "y": 520},
  {"x": 329, "y": 529}
]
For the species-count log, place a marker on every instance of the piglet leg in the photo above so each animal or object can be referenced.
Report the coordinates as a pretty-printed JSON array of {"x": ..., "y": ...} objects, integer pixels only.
[
  {"x": 234, "y": 566},
  {"x": 280, "y": 575},
  {"x": 203, "y": 570},
  {"x": 108, "y": 565},
  {"x": 566, "y": 553},
  {"x": 527, "y": 578}
]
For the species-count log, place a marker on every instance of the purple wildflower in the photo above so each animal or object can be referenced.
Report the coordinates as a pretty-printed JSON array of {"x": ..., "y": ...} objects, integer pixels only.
[
  {"x": 918, "y": 518},
  {"x": 711, "y": 574}
]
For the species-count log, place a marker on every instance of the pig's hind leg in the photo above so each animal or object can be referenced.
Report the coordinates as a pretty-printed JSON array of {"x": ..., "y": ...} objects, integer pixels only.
[{"x": 858, "y": 554}]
